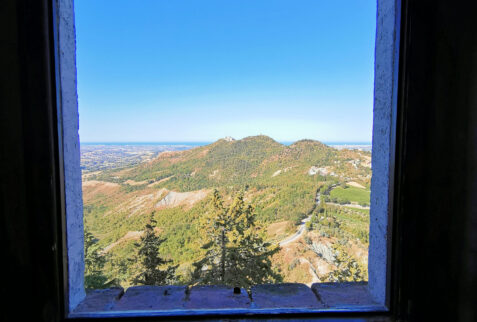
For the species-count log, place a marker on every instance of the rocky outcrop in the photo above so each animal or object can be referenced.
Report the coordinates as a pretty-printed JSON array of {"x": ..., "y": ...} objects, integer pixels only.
[{"x": 188, "y": 199}]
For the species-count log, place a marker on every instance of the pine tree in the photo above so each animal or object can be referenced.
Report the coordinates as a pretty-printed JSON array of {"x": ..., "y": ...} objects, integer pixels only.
[
  {"x": 236, "y": 253},
  {"x": 148, "y": 260},
  {"x": 119, "y": 271},
  {"x": 215, "y": 226},
  {"x": 93, "y": 263}
]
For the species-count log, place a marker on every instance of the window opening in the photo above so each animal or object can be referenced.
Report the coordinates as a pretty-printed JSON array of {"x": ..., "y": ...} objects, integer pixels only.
[{"x": 203, "y": 211}]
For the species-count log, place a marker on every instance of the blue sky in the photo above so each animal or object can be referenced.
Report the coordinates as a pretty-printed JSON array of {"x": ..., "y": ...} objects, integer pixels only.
[{"x": 199, "y": 70}]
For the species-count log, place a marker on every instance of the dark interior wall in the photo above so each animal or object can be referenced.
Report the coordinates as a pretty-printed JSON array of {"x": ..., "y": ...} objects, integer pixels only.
[
  {"x": 28, "y": 179},
  {"x": 434, "y": 265},
  {"x": 437, "y": 190}
]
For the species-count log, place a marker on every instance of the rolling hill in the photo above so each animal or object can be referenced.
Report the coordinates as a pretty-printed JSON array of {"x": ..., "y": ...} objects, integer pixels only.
[{"x": 280, "y": 181}]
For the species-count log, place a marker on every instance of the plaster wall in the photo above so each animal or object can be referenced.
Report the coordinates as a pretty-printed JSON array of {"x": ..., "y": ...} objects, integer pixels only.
[
  {"x": 69, "y": 126},
  {"x": 384, "y": 119},
  {"x": 386, "y": 67}
]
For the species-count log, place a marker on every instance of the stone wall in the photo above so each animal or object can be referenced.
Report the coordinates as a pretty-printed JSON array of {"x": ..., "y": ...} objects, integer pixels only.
[
  {"x": 206, "y": 300},
  {"x": 387, "y": 50}
]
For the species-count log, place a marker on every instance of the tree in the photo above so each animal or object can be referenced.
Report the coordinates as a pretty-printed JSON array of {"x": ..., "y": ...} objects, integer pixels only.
[
  {"x": 322, "y": 206},
  {"x": 93, "y": 263},
  {"x": 119, "y": 271},
  {"x": 236, "y": 254},
  {"x": 148, "y": 260},
  {"x": 309, "y": 225},
  {"x": 348, "y": 270},
  {"x": 215, "y": 226}
]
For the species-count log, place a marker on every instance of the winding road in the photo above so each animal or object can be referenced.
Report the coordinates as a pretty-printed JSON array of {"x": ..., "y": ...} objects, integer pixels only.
[
  {"x": 299, "y": 232},
  {"x": 301, "y": 227}
]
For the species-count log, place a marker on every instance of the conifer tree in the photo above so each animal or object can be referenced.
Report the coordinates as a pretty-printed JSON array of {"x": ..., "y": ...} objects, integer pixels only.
[
  {"x": 236, "y": 254},
  {"x": 215, "y": 226},
  {"x": 94, "y": 263},
  {"x": 148, "y": 260},
  {"x": 119, "y": 271}
]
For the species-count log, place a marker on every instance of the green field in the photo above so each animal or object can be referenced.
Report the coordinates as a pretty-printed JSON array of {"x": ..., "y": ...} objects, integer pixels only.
[
  {"x": 362, "y": 211},
  {"x": 350, "y": 194}
]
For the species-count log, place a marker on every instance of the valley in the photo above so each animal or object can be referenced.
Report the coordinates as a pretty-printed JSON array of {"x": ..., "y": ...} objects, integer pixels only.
[{"x": 309, "y": 198}]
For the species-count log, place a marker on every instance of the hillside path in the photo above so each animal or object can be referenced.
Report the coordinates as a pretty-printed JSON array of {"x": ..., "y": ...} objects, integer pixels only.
[
  {"x": 301, "y": 227},
  {"x": 298, "y": 234}
]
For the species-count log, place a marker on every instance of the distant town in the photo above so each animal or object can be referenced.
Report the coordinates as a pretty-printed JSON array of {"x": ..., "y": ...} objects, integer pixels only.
[{"x": 111, "y": 155}]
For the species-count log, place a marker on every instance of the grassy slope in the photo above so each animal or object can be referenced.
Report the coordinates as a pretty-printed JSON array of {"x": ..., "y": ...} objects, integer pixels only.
[{"x": 351, "y": 194}]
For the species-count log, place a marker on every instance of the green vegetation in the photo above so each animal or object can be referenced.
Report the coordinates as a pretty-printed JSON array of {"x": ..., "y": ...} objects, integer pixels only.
[
  {"x": 273, "y": 177},
  {"x": 341, "y": 222},
  {"x": 236, "y": 254},
  {"x": 348, "y": 270},
  {"x": 94, "y": 263},
  {"x": 148, "y": 262},
  {"x": 350, "y": 194}
]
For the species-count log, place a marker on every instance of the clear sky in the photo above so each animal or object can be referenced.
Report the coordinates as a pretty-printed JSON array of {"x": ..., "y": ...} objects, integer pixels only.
[{"x": 200, "y": 70}]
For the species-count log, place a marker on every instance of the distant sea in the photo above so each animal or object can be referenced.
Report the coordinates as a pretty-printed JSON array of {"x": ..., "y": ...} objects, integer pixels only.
[
  {"x": 185, "y": 143},
  {"x": 147, "y": 143}
]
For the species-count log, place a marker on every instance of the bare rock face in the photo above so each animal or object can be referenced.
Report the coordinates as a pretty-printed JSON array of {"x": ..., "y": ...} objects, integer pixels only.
[
  {"x": 323, "y": 251},
  {"x": 175, "y": 199},
  {"x": 324, "y": 171}
]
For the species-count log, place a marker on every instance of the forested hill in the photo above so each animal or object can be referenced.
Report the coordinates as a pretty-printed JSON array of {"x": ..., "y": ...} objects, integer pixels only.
[
  {"x": 280, "y": 181},
  {"x": 247, "y": 161}
]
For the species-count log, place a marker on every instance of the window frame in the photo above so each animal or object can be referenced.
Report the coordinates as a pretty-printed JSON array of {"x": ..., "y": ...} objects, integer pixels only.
[
  {"x": 36, "y": 264},
  {"x": 384, "y": 129}
]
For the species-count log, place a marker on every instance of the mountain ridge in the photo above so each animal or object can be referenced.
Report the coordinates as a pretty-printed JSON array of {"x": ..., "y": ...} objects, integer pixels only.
[{"x": 275, "y": 178}]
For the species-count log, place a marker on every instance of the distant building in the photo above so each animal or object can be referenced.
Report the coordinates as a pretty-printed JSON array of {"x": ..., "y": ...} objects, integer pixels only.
[{"x": 229, "y": 139}]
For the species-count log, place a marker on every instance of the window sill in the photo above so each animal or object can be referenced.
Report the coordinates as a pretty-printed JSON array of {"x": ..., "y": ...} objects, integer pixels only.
[{"x": 220, "y": 300}]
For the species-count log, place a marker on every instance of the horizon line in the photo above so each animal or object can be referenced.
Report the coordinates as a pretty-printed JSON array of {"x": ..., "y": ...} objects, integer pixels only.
[{"x": 343, "y": 142}]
